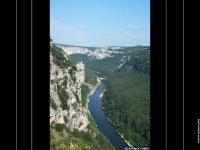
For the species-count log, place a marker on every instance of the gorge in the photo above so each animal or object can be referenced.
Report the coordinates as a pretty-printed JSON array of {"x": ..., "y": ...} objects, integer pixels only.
[{"x": 78, "y": 112}]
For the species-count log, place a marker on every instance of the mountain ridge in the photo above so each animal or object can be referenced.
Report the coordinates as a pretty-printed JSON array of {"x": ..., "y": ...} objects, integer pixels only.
[{"x": 98, "y": 52}]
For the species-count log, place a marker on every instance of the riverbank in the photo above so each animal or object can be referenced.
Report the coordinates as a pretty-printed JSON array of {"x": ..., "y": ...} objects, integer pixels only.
[
  {"x": 121, "y": 135},
  {"x": 92, "y": 121},
  {"x": 94, "y": 87},
  {"x": 101, "y": 121},
  {"x": 92, "y": 90}
]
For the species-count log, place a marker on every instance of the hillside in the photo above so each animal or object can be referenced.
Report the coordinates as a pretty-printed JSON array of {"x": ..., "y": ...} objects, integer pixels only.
[
  {"x": 127, "y": 104},
  {"x": 137, "y": 61},
  {"x": 127, "y": 98},
  {"x": 71, "y": 126}
]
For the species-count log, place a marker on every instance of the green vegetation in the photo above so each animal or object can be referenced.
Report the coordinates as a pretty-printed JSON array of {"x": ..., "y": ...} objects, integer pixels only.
[
  {"x": 127, "y": 98},
  {"x": 84, "y": 92},
  {"x": 74, "y": 67},
  {"x": 59, "y": 58},
  {"x": 59, "y": 127},
  {"x": 127, "y": 104},
  {"x": 53, "y": 104},
  {"x": 65, "y": 119},
  {"x": 63, "y": 97},
  {"x": 53, "y": 143},
  {"x": 72, "y": 74},
  {"x": 104, "y": 66},
  {"x": 64, "y": 83},
  {"x": 90, "y": 76},
  {"x": 139, "y": 61},
  {"x": 62, "y": 138},
  {"x": 80, "y": 57},
  {"x": 134, "y": 48}
]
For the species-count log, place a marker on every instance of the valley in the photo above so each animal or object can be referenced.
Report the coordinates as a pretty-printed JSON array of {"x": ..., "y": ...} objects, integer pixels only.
[{"x": 124, "y": 100}]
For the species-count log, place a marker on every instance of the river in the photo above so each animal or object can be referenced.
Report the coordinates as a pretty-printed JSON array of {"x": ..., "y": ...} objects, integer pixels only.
[{"x": 101, "y": 120}]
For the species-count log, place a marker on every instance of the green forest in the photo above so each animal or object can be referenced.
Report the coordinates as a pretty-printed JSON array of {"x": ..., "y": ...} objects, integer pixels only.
[
  {"x": 127, "y": 98},
  {"x": 105, "y": 65},
  {"x": 127, "y": 104}
]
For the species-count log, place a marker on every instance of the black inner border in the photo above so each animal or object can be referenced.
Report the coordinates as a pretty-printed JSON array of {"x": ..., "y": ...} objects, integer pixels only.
[{"x": 40, "y": 75}]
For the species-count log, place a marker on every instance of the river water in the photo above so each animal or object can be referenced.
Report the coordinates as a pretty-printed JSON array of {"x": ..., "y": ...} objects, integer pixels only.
[{"x": 101, "y": 120}]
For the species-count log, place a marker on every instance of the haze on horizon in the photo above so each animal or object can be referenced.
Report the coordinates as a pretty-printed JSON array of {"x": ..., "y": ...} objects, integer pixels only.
[{"x": 100, "y": 23}]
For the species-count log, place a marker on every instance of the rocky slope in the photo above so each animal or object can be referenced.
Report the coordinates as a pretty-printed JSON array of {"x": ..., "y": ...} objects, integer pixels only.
[
  {"x": 74, "y": 113},
  {"x": 71, "y": 126},
  {"x": 136, "y": 61}
]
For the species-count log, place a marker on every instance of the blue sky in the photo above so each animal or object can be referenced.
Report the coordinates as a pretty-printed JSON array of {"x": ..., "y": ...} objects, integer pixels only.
[{"x": 100, "y": 22}]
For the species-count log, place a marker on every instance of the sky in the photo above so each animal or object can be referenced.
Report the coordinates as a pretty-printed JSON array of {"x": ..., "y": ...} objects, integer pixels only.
[{"x": 100, "y": 23}]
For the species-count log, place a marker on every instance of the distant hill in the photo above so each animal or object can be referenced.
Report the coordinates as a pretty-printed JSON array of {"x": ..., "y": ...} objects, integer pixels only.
[
  {"x": 137, "y": 61},
  {"x": 98, "y": 52}
]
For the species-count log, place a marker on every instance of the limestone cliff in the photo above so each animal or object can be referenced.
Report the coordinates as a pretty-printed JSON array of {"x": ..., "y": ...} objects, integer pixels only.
[
  {"x": 71, "y": 126},
  {"x": 65, "y": 94}
]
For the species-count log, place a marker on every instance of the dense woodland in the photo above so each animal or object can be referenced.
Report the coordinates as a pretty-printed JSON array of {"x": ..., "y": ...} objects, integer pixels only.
[
  {"x": 127, "y": 98},
  {"x": 105, "y": 65},
  {"x": 127, "y": 104}
]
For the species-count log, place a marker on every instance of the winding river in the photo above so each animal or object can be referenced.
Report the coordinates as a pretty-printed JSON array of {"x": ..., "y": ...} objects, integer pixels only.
[{"x": 101, "y": 120}]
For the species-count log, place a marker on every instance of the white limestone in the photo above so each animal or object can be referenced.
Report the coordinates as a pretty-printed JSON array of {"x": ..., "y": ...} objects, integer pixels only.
[
  {"x": 98, "y": 53},
  {"x": 77, "y": 117}
]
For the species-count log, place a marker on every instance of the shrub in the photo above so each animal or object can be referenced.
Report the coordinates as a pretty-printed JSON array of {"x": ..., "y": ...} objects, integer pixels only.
[
  {"x": 84, "y": 93},
  {"x": 59, "y": 127},
  {"x": 74, "y": 78},
  {"x": 53, "y": 143},
  {"x": 65, "y": 119},
  {"x": 59, "y": 58},
  {"x": 64, "y": 83},
  {"x": 63, "y": 97},
  {"x": 53, "y": 104},
  {"x": 74, "y": 67},
  {"x": 71, "y": 72}
]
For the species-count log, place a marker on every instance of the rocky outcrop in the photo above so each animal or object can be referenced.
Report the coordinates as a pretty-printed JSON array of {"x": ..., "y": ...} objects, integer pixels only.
[{"x": 65, "y": 94}]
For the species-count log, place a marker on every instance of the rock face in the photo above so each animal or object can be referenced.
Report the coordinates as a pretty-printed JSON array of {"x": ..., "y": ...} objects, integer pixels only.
[
  {"x": 98, "y": 53},
  {"x": 65, "y": 93}
]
